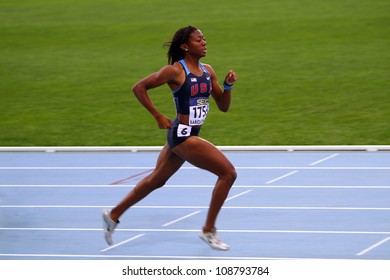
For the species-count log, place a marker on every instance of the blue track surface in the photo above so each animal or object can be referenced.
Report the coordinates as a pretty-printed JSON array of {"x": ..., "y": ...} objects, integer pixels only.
[{"x": 323, "y": 205}]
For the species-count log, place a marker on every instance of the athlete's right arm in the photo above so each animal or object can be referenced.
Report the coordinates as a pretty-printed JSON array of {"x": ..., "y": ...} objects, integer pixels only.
[{"x": 167, "y": 74}]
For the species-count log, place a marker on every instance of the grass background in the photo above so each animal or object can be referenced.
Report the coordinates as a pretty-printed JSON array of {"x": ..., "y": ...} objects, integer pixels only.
[{"x": 310, "y": 72}]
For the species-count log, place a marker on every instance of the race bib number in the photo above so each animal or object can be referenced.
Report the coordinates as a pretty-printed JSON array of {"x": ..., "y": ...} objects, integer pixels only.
[
  {"x": 198, "y": 111},
  {"x": 183, "y": 130}
]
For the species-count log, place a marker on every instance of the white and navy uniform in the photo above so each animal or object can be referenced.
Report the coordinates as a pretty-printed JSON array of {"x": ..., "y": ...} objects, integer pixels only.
[{"x": 192, "y": 99}]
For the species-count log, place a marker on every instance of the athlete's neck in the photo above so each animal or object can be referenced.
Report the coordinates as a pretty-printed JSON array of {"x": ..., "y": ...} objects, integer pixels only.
[{"x": 193, "y": 64}]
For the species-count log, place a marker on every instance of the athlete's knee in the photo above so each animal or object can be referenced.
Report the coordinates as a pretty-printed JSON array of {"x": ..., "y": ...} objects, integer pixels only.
[
  {"x": 230, "y": 175},
  {"x": 233, "y": 174},
  {"x": 154, "y": 183}
]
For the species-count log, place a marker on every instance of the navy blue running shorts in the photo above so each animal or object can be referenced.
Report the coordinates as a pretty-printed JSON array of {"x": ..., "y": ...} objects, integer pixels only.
[{"x": 179, "y": 133}]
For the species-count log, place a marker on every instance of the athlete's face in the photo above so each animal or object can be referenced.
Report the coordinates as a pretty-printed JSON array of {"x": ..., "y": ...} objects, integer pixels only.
[{"x": 197, "y": 44}]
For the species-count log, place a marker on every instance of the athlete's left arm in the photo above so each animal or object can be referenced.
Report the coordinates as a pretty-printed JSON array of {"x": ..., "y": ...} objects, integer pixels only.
[{"x": 222, "y": 96}]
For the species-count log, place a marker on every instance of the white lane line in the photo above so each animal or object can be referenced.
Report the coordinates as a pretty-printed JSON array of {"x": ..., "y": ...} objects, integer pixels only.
[
  {"x": 326, "y": 208},
  {"x": 73, "y": 168},
  {"x": 149, "y": 257},
  {"x": 237, "y": 195},
  {"x": 121, "y": 243},
  {"x": 182, "y": 218},
  {"x": 194, "y": 168},
  {"x": 324, "y": 159},
  {"x": 197, "y": 230},
  {"x": 281, "y": 177},
  {"x": 373, "y": 247},
  {"x": 201, "y": 186}
]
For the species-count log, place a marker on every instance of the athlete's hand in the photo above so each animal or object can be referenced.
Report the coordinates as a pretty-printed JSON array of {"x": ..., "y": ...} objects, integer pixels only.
[
  {"x": 231, "y": 78},
  {"x": 163, "y": 122}
]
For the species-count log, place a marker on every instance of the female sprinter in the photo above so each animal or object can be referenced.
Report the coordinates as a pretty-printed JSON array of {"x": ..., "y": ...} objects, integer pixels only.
[{"x": 191, "y": 83}]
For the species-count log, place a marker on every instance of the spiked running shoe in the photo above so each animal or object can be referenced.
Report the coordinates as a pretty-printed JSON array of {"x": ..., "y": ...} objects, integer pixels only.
[
  {"x": 108, "y": 226},
  {"x": 212, "y": 239}
]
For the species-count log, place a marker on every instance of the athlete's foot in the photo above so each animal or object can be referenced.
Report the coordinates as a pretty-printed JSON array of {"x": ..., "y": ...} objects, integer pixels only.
[
  {"x": 108, "y": 226},
  {"x": 212, "y": 239}
]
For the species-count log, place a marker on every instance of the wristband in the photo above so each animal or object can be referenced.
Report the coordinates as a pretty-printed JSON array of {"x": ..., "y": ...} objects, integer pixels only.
[{"x": 226, "y": 86}]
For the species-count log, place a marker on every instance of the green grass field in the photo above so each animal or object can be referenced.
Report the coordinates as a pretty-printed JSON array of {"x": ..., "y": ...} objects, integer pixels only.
[{"x": 310, "y": 72}]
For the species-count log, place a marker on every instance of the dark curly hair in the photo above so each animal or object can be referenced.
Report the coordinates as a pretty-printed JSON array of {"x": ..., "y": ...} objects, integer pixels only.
[{"x": 175, "y": 53}]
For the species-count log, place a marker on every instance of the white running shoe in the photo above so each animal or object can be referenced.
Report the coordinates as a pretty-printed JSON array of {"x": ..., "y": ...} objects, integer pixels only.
[
  {"x": 108, "y": 226},
  {"x": 212, "y": 239}
]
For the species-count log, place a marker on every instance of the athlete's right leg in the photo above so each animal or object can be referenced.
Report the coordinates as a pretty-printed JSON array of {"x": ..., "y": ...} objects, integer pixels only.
[{"x": 167, "y": 164}]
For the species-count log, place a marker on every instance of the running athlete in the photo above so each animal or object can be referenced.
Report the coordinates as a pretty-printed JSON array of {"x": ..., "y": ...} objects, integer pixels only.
[{"x": 191, "y": 83}]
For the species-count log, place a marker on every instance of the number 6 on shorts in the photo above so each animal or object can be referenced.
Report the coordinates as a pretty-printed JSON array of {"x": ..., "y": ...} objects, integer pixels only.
[{"x": 183, "y": 130}]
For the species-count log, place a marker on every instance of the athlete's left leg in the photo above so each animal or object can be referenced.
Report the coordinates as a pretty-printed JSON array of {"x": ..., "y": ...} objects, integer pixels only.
[
  {"x": 167, "y": 164},
  {"x": 205, "y": 155}
]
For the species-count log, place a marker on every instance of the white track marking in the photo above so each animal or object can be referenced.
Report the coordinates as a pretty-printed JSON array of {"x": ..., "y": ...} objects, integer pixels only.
[
  {"x": 193, "y": 168},
  {"x": 197, "y": 230},
  {"x": 182, "y": 218},
  {"x": 148, "y": 257},
  {"x": 121, "y": 243},
  {"x": 326, "y": 208},
  {"x": 237, "y": 195},
  {"x": 198, "y": 186},
  {"x": 373, "y": 247},
  {"x": 281, "y": 177},
  {"x": 324, "y": 159}
]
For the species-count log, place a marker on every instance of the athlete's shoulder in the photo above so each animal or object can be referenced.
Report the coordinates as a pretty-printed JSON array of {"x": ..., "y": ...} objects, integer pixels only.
[
  {"x": 171, "y": 70},
  {"x": 209, "y": 69},
  {"x": 178, "y": 66},
  {"x": 173, "y": 73},
  {"x": 175, "y": 68}
]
